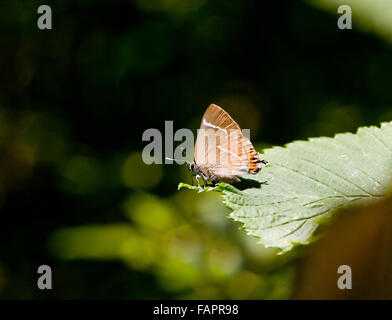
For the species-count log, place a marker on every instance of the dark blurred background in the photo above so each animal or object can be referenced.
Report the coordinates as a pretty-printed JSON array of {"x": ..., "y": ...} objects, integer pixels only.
[{"x": 75, "y": 100}]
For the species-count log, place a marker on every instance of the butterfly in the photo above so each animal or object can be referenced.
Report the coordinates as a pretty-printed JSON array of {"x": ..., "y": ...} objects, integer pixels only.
[{"x": 221, "y": 151}]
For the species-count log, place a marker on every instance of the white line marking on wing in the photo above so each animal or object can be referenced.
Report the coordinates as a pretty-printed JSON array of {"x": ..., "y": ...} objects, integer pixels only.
[
  {"x": 212, "y": 126},
  {"x": 225, "y": 150}
]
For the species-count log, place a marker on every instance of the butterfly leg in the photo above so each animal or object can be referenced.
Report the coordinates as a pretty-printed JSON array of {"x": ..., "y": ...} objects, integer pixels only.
[{"x": 197, "y": 180}]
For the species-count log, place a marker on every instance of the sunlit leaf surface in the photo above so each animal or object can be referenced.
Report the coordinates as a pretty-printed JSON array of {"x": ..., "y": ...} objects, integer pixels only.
[{"x": 308, "y": 180}]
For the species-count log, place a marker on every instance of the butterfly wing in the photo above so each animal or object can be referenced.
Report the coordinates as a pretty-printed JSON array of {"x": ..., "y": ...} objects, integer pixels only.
[{"x": 221, "y": 147}]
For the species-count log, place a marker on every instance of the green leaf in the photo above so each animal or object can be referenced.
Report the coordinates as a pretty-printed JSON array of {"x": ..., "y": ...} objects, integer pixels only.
[{"x": 306, "y": 181}]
